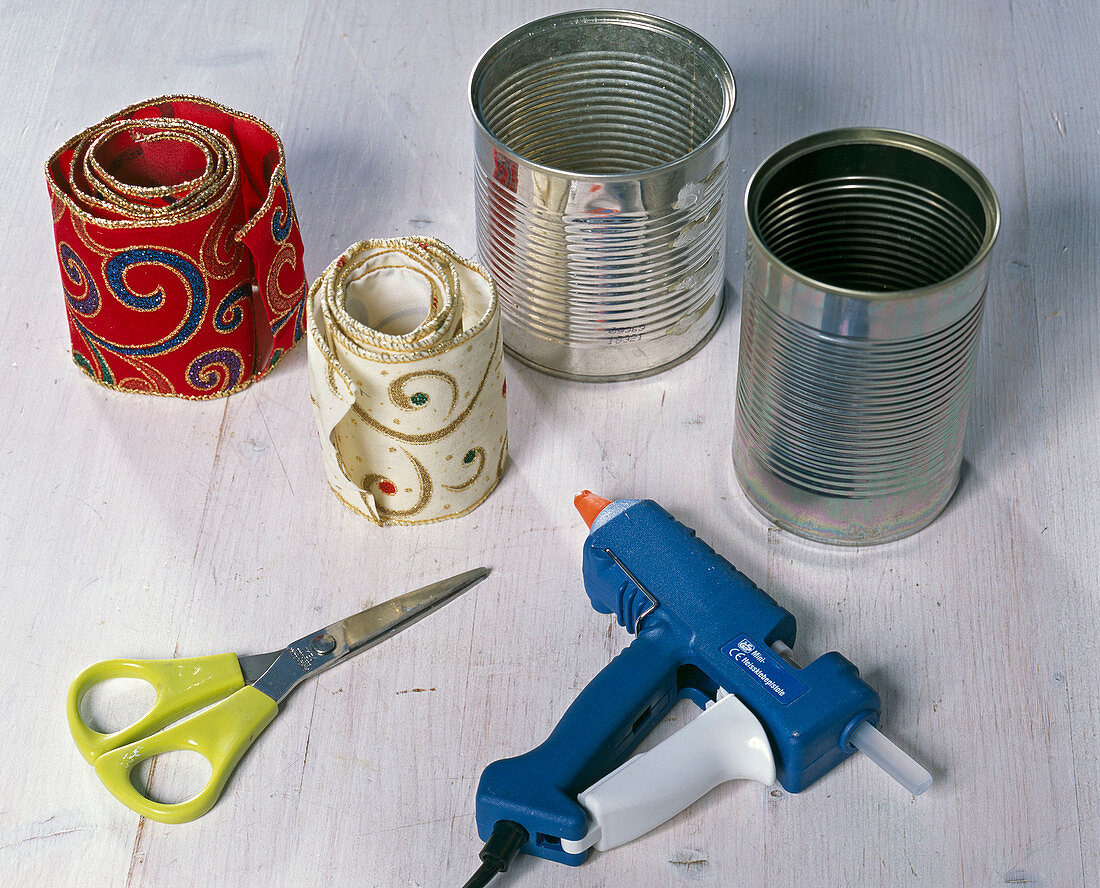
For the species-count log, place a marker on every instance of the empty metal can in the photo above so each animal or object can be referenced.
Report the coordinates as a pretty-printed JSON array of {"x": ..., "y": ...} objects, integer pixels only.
[
  {"x": 601, "y": 144},
  {"x": 865, "y": 279}
]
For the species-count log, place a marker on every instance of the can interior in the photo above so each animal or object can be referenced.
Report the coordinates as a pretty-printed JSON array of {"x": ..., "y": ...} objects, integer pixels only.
[
  {"x": 596, "y": 97},
  {"x": 869, "y": 216}
]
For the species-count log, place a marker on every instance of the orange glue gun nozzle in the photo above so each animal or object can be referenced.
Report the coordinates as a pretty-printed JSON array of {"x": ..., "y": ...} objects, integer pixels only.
[{"x": 589, "y": 505}]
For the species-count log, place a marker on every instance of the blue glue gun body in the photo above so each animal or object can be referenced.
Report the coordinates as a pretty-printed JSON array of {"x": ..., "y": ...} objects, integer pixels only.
[{"x": 701, "y": 625}]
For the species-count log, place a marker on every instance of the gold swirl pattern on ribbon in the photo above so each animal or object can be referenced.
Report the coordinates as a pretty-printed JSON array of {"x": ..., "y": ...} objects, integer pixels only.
[
  {"x": 281, "y": 302},
  {"x": 407, "y": 380},
  {"x": 178, "y": 246},
  {"x": 370, "y": 481},
  {"x": 476, "y": 454},
  {"x": 434, "y": 434},
  {"x": 221, "y": 236},
  {"x": 400, "y": 398}
]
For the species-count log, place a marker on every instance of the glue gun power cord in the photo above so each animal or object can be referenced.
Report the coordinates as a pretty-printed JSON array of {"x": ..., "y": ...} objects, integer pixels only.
[{"x": 499, "y": 852}]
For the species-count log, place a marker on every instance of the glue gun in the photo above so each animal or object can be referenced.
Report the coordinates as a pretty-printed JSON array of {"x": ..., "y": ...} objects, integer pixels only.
[{"x": 703, "y": 631}]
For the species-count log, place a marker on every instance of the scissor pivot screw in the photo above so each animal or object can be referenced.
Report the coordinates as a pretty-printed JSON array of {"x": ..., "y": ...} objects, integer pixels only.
[{"x": 323, "y": 644}]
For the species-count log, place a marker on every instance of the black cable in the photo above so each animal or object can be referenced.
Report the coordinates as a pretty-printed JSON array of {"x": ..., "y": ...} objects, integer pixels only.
[
  {"x": 481, "y": 878},
  {"x": 499, "y": 852}
]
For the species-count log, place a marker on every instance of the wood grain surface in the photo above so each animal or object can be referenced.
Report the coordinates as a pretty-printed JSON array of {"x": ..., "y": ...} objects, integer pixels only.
[{"x": 145, "y": 527}]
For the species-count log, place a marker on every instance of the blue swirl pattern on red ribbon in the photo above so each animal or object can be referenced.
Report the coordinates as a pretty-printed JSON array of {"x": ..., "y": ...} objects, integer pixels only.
[
  {"x": 282, "y": 221},
  {"x": 77, "y": 272},
  {"x": 217, "y": 369},
  {"x": 193, "y": 289},
  {"x": 229, "y": 314},
  {"x": 196, "y": 293}
]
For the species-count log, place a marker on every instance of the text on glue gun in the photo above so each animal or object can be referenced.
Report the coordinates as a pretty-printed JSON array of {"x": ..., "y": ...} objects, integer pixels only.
[{"x": 703, "y": 631}]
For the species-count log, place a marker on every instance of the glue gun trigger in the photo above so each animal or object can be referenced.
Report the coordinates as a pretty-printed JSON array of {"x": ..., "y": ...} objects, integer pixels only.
[{"x": 724, "y": 742}]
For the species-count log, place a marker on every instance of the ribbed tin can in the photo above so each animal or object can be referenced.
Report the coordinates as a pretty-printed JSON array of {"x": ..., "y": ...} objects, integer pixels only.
[
  {"x": 865, "y": 280},
  {"x": 601, "y": 144}
]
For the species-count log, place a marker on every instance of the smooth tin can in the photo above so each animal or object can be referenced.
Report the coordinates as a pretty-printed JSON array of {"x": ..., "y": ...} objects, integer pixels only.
[
  {"x": 601, "y": 145},
  {"x": 865, "y": 280}
]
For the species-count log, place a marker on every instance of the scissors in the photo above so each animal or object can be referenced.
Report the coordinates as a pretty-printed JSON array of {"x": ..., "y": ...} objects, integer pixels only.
[{"x": 245, "y": 693}]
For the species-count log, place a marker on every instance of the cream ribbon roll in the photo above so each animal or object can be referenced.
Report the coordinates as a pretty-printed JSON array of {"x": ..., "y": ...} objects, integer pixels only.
[{"x": 407, "y": 380}]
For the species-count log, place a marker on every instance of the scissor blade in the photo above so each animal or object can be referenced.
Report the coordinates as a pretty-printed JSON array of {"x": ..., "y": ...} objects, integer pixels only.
[
  {"x": 383, "y": 621},
  {"x": 255, "y": 665},
  {"x": 318, "y": 651}
]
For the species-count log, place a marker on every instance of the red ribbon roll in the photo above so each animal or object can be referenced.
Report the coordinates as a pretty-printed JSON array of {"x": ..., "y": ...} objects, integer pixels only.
[{"x": 179, "y": 248}]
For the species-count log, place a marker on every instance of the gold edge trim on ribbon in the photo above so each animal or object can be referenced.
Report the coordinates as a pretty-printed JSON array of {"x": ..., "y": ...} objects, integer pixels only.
[
  {"x": 326, "y": 310},
  {"x": 336, "y": 278},
  {"x": 490, "y": 314},
  {"x": 210, "y": 191},
  {"x": 436, "y": 520},
  {"x": 278, "y": 171},
  {"x": 213, "y": 396}
]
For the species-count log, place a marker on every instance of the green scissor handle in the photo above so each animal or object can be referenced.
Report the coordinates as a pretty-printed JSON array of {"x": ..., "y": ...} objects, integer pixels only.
[
  {"x": 221, "y": 734},
  {"x": 182, "y": 686}
]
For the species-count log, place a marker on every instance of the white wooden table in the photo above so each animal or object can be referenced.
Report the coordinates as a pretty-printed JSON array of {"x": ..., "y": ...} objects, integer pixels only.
[{"x": 148, "y": 527}]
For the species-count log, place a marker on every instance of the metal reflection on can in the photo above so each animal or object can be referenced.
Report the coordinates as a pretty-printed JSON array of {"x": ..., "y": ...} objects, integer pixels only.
[
  {"x": 865, "y": 280},
  {"x": 601, "y": 145}
]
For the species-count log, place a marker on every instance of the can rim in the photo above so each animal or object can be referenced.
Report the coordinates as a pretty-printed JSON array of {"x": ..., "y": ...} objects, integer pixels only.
[
  {"x": 937, "y": 151},
  {"x": 626, "y": 18}
]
